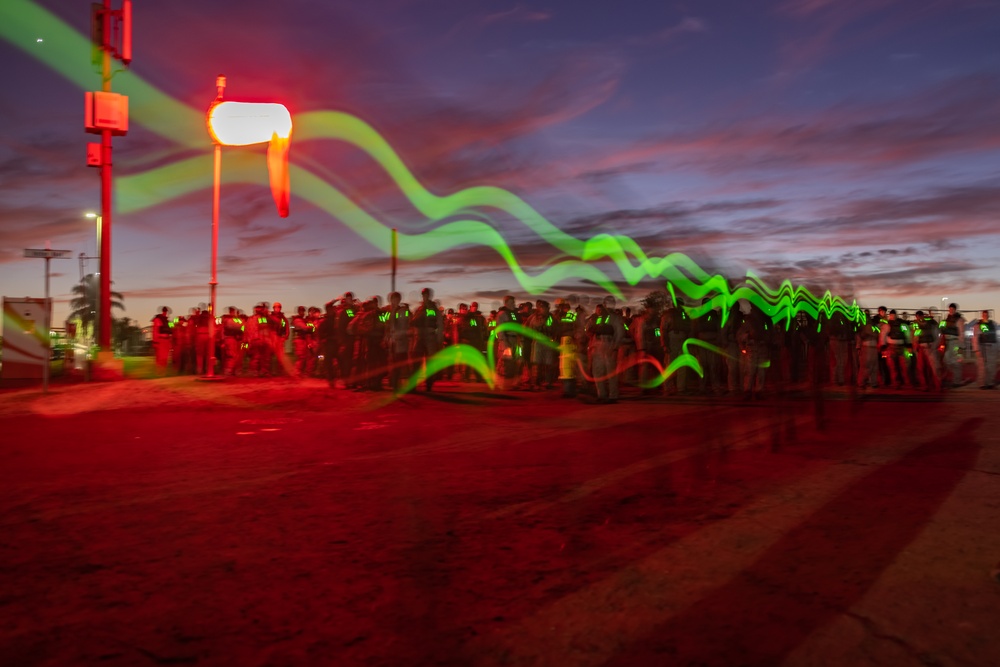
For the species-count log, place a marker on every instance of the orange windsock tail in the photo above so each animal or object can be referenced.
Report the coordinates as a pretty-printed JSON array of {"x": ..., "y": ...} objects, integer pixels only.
[{"x": 277, "y": 169}]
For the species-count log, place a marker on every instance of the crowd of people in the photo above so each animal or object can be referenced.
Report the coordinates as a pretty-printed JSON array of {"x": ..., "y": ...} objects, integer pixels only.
[{"x": 365, "y": 345}]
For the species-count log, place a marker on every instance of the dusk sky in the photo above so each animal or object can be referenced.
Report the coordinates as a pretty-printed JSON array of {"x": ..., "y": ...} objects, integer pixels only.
[{"x": 851, "y": 145}]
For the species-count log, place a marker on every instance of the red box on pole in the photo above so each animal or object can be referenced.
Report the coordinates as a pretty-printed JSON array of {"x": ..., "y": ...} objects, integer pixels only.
[{"x": 94, "y": 155}]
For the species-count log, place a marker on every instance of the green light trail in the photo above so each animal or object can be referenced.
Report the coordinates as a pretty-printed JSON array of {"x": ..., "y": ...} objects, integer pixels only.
[
  {"x": 68, "y": 53},
  {"x": 453, "y": 355}
]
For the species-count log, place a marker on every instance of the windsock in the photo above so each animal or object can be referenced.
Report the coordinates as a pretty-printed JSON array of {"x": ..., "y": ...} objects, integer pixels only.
[{"x": 246, "y": 123}]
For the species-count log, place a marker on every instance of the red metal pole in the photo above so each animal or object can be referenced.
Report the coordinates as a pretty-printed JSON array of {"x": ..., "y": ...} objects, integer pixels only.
[
  {"x": 220, "y": 87},
  {"x": 213, "y": 284},
  {"x": 104, "y": 317}
]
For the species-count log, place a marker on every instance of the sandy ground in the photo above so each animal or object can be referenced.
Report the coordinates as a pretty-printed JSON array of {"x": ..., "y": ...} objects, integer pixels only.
[{"x": 271, "y": 522}]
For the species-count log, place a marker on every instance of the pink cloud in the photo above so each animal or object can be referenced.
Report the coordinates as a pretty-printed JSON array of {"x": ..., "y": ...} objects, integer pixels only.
[
  {"x": 518, "y": 14},
  {"x": 957, "y": 117},
  {"x": 687, "y": 25},
  {"x": 823, "y": 24},
  {"x": 461, "y": 144}
]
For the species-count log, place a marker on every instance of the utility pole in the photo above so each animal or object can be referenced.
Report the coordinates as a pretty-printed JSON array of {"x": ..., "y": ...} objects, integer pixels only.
[
  {"x": 106, "y": 113},
  {"x": 47, "y": 254}
]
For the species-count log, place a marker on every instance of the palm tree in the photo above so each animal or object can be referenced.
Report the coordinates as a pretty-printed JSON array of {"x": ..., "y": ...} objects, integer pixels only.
[
  {"x": 126, "y": 336},
  {"x": 86, "y": 302}
]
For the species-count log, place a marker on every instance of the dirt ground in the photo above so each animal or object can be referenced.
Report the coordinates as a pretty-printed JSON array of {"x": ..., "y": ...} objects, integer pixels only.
[{"x": 272, "y": 522}]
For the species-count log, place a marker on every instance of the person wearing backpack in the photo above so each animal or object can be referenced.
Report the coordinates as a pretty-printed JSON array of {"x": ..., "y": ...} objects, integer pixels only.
[{"x": 984, "y": 342}]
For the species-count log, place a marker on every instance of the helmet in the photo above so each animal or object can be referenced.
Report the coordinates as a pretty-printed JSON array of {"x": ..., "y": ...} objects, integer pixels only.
[{"x": 277, "y": 305}]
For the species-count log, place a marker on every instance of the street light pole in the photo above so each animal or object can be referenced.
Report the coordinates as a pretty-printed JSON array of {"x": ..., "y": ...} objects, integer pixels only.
[
  {"x": 47, "y": 253},
  {"x": 48, "y": 331},
  {"x": 98, "y": 324}
]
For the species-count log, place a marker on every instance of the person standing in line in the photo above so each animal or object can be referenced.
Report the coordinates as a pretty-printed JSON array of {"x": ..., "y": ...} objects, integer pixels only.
[
  {"x": 302, "y": 330},
  {"x": 314, "y": 319},
  {"x": 508, "y": 347},
  {"x": 952, "y": 328},
  {"x": 734, "y": 351},
  {"x": 925, "y": 344},
  {"x": 841, "y": 334},
  {"x": 543, "y": 357},
  {"x": 984, "y": 342},
  {"x": 397, "y": 342},
  {"x": 257, "y": 333},
  {"x": 675, "y": 327},
  {"x": 645, "y": 332},
  {"x": 478, "y": 322},
  {"x": 183, "y": 334},
  {"x": 162, "y": 339},
  {"x": 606, "y": 332},
  {"x": 326, "y": 333},
  {"x": 868, "y": 355},
  {"x": 279, "y": 336},
  {"x": 627, "y": 351},
  {"x": 461, "y": 330},
  {"x": 202, "y": 343},
  {"x": 427, "y": 322},
  {"x": 883, "y": 366},
  {"x": 476, "y": 337},
  {"x": 752, "y": 343},
  {"x": 893, "y": 342},
  {"x": 469, "y": 328},
  {"x": 375, "y": 352},
  {"x": 812, "y": 344},
  {"x": 232, "y": 342},
  {"x": 491, "y": 340},
  {"x": 708, "y": 328},
  {"x": 347, "y": 310},
  {"x": 525, "y": 345}
]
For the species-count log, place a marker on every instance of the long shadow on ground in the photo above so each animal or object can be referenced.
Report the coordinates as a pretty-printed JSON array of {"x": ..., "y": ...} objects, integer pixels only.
[{"x": 819, "y": 569}]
